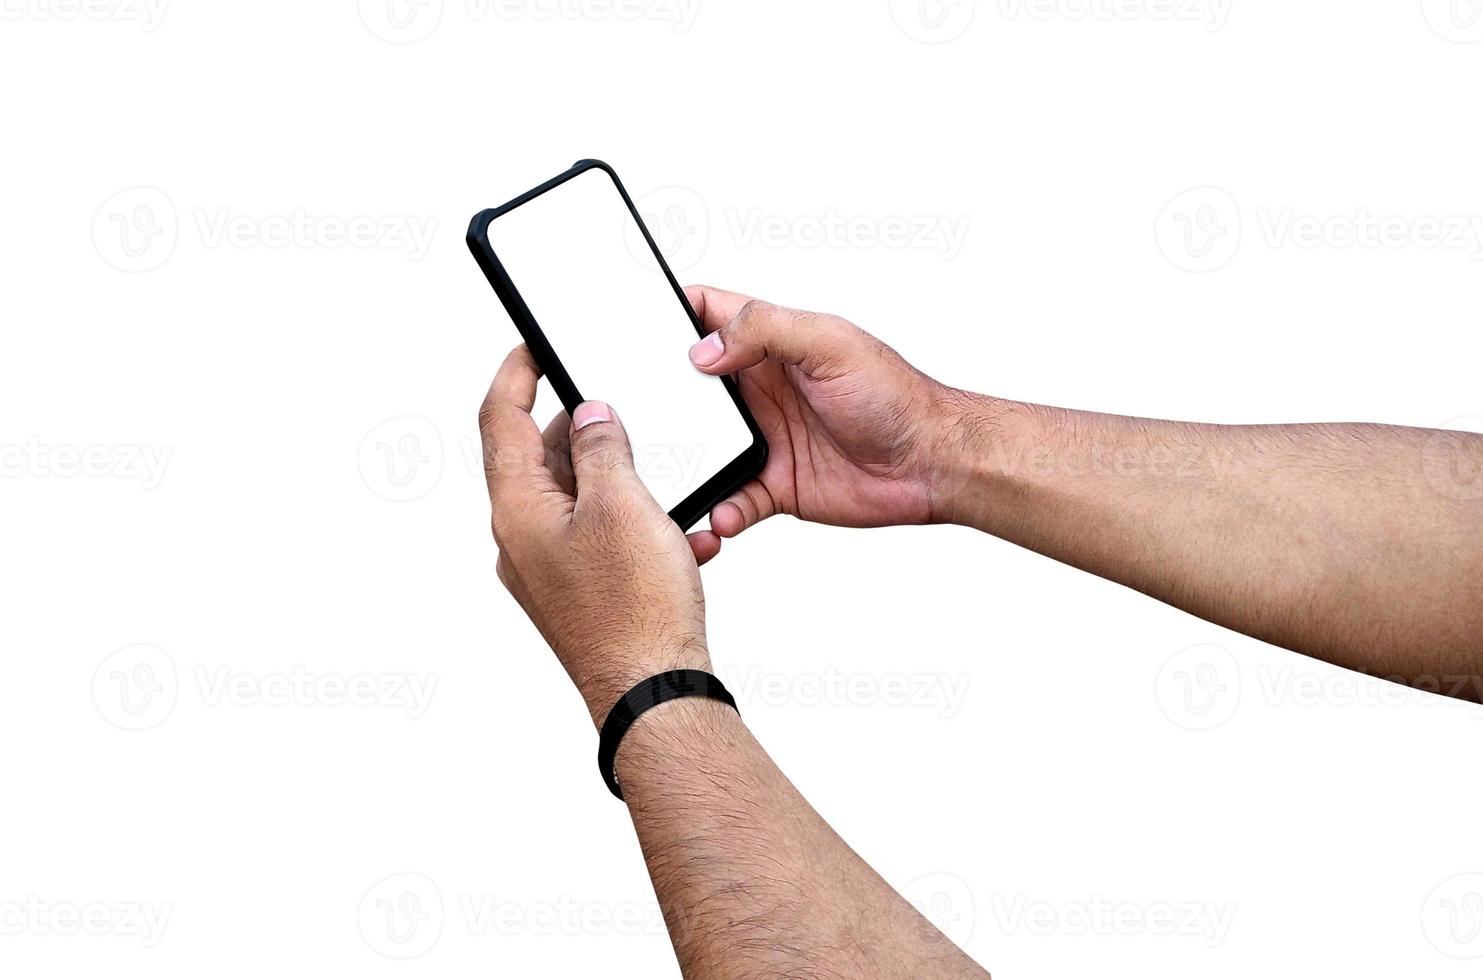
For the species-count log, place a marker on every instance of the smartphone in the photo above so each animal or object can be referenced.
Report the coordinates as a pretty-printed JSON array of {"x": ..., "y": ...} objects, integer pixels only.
[{"x": 582, "y": 279}]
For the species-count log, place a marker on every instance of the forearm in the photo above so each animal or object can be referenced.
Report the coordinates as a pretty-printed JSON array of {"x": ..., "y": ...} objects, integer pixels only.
[
  {"x": 752, "y": 881},
  {"x": 1346, "y": 542}
]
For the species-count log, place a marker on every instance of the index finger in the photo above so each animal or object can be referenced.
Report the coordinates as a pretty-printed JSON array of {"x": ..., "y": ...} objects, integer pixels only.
[{"x": 715, "y": 307}]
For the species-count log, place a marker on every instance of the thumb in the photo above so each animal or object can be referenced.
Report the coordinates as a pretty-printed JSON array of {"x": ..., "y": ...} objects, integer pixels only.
[
  {"x": 761, "y": 331},
  {"x": 600, "y": 451}
]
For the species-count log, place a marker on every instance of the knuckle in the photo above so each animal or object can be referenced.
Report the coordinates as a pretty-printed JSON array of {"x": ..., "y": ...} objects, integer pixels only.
[
  {"x": 840, "y": 333},
  {"x": 602, "y": 450},
  {"x": 508, "y": 525},
  {"x": 825, "y": 325},
  {"x": 752, "y": 311},
  {"x": 500, "y": 528},
  {"x": 499, "y": 463},
  {"x": 586, "y": 446},
  {"x": 604, "y": 459}
]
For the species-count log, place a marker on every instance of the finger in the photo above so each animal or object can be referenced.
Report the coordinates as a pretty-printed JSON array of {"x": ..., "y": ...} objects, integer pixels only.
[
  {"x": 715, "y": 307},
  {"x": 514, "y": 386},
  {"x": 558, "y": 442},
  {"x": 749, "y": 505},
  {"x": 705, "y": 544},
  {"x": 761, "y": 331},
  {"x": 513, "y": 452},
  {"x": 600, "y": 451}
]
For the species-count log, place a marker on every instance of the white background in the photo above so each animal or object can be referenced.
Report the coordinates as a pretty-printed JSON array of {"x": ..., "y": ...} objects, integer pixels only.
[{"x": 320, "y": 512}]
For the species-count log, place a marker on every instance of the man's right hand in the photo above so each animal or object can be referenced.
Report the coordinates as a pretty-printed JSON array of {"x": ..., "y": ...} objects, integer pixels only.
[{"x": 857, "y": 437}]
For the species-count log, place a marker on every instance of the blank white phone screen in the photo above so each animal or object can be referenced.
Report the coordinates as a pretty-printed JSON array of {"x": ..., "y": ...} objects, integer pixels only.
[{"x": 592, "y": 284}]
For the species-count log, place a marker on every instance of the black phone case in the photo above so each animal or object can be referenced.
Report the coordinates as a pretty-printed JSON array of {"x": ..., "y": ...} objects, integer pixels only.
[{"x": 733, "y": 474}]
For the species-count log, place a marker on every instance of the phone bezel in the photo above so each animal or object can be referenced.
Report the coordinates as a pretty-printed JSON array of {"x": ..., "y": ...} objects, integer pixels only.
[{"x": 726, "y": 480}]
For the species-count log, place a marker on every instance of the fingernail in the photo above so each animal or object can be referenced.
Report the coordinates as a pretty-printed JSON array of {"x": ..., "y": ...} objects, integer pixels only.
[
  {"x": 708, "y": 351},
  {"x": 590, "y": 412}
]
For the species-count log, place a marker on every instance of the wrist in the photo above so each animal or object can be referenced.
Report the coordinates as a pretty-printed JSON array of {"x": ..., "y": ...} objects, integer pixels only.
[
  {"x": 616, "y": 670},
  {"x": 676, "y": 735},
  {"x": 977, "y": 439}
]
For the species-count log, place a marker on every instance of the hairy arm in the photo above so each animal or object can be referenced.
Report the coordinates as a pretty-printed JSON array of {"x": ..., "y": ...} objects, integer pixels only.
[
  {"x": 752, "y": 881},
  {"x": 1358, "y": 544}
]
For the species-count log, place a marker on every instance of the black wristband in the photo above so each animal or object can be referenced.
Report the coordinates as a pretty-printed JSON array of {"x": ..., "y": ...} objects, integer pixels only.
[{"x": 640, "y": 698}]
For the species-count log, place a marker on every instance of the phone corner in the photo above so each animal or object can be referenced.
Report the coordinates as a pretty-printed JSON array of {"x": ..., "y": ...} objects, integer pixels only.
[
  {"x": 592, "y": 163},
  {"x": 760, "y": 452},
  {"x": 478, "y": 226}
]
